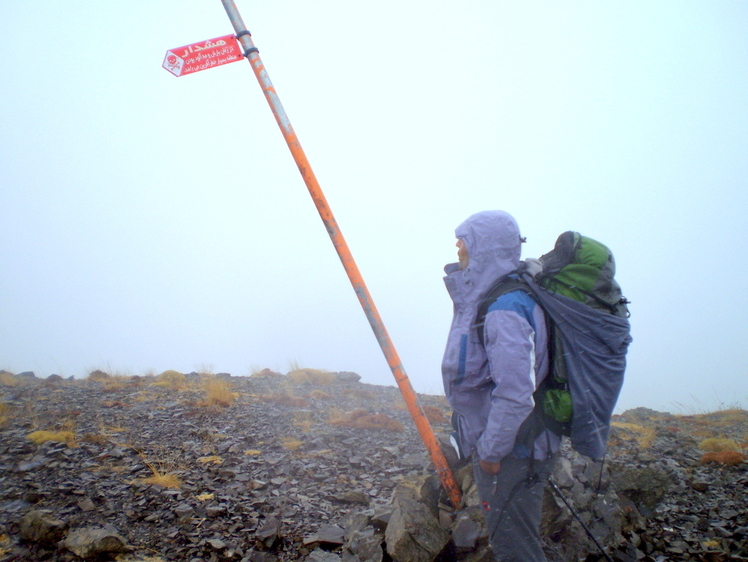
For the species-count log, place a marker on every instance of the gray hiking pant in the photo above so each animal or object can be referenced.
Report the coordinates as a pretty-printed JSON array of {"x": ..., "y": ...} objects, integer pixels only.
[{"x": 512, "y": 507}]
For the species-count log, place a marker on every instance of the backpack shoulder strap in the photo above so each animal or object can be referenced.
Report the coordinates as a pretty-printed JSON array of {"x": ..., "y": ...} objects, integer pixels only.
[
  {"x": 503, "y": 286},
  {"x": 537, "y": 421}
]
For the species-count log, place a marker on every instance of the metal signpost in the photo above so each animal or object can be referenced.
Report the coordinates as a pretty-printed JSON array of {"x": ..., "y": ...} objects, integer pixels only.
[{"x": 193, "y": 61}]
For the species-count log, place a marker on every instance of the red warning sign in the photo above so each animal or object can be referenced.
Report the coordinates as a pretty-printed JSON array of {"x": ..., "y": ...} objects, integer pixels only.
[{"x": 202, "y": 55}]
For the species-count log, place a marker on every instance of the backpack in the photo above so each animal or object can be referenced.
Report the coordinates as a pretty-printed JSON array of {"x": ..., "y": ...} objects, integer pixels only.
[
  {"x": 582, "y": 269},
  {"x": 588, "y": 337}
]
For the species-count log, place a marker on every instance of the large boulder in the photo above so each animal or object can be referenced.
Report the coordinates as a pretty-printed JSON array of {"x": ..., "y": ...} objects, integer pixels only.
[
  {"x": 39, "y": 525},
  {"x": 645, "y": 485},
  {"x": 413, "y": 533},
  {"x": 91, "y": 541}
]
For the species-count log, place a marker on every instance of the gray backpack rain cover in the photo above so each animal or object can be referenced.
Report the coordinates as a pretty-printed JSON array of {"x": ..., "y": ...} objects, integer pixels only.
[{"x": 595, "y": 345}]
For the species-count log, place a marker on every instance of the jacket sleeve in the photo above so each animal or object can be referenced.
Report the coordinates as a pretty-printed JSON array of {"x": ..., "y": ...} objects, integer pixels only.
[{"x": 510, "y": 348}]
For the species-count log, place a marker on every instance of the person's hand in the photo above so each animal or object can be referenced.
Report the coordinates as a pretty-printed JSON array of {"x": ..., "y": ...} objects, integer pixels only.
[{"x": 489, "y": 467}]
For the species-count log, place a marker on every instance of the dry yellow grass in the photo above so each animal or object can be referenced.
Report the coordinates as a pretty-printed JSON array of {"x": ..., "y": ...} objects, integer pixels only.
[
  {"x": 718, "y": 418},
  {"x": 319, "y": 453},
  {"x": 253, "y": 452},
  {"x": 264, "y": 373},
  {"x": 286, "y": 399},
  {"x": 165, "y": 480},
  {"x": 171, "y": 379},
  {"x": 212, "y": 459},
  {"x": 164, "y": 470},
  {"x": 727, "y": 417},
  {"x": 99, "y": 375},
  {"x": 362, "y": 394},
  {"x": 643, "y": 435},
  {"x": 105, "y": 434},
  {"x": 303, "y": 420},
  {"x": 95, "y": 438},
  {"x": 4, "y": 414},
  {"x": 363, "y": 419},
  {"x": 311, "y": 376},
  {"x": 218, "y": 392},
  {"x": 319, "y": 395},
  {"x": 434, "y": 415},
  {"x": 335, "y": 415},
  {"x": 207, "y": 496},
  {"x": 719, "y": 444},
  {"x": 9, "y": 379},
  {"x": 39, "y": 437},
  {"x": 120, "y": 382},
  {"x": 291, "y": 443}
]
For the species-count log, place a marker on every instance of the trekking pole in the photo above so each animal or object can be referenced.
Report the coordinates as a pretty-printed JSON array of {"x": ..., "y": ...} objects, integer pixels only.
[
  {"x": 346, "y": 257},
  {"x": 560, "y": 494}
]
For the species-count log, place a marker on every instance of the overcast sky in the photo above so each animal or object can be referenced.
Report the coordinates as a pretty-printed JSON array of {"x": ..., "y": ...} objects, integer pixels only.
[{"x": 149, "y": 222}]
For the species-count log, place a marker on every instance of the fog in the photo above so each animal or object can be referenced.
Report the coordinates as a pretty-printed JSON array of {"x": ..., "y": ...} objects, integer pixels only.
[{"x": 149, "y": 222}]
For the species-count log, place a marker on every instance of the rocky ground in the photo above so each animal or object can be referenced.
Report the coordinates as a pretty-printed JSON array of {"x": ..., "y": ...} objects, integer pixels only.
[{"x": 319, "y": 467}]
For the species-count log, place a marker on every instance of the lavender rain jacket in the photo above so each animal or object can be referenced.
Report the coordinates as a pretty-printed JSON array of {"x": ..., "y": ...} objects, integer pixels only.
[{"x": 490, "y": 389}]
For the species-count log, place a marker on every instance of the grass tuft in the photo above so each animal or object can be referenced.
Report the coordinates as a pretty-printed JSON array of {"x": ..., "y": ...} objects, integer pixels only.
[
  {"x": 95, "y": 438},
  {"x": 171, "y": 379},
  {"x": 362, "y": 419},
  {"x": 286, "y": 399},
  {"x": 434, "y": 415},
  {"x": 9, "y": 379},
  {"x": 163, "y": 472},
  {"x": 218, "y": 393},
  {"x": 319, "y": 395},
  {"x": 303, "y": 420},
  {"x": 213, "y": 459},
  {"x": 728, "y": 458},
  {"x": 311, "y": 376},
  {"x": 166, "y": 480},
  {"x": 99, "y": 375},
  {"x": 39, "y": 437},
  {"x": 363, "y": 394},
  {"x": 719, "y": 444},
  {"x": 4, "y": 545},
  {"x": 264, "y": 374},
  {"x": 644, "y": 435},
  {"x": 5, "y": 412},
  {"x": 291, "y": 443},
  {"x": 116, "y": 383}
]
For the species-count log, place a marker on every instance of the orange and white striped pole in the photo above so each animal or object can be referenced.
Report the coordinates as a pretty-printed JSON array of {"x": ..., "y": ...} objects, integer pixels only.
[{"x": 393, "y": 360}]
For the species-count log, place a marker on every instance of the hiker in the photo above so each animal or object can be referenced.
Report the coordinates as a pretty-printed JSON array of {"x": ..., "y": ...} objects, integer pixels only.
[{"x": 490, "y": 385}]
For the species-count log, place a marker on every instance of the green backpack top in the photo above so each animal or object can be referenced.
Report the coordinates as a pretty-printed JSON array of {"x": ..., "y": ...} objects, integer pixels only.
[{"x": 582, "y": 269}]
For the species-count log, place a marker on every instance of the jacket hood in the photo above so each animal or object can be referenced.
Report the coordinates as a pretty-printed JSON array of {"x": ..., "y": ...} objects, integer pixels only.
[{"x": 494, "y": 247}]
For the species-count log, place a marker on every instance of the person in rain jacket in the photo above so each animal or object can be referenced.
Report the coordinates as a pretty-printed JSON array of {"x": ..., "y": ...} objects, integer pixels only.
[{"x": 490, "y": 386}]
